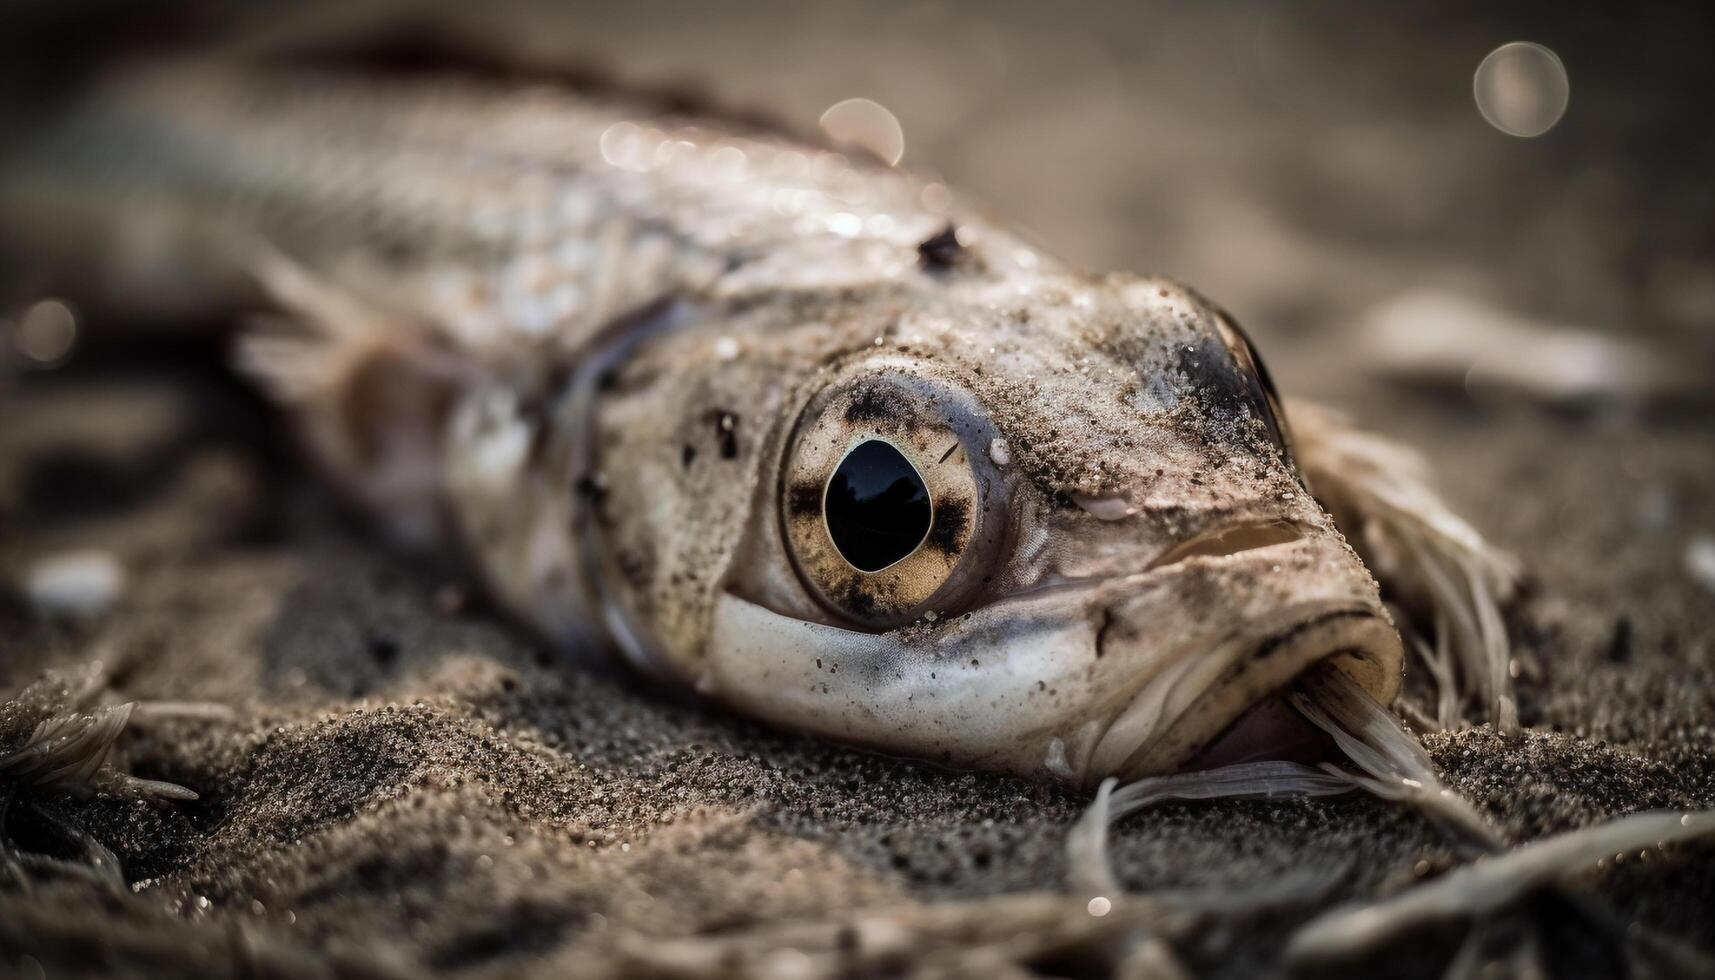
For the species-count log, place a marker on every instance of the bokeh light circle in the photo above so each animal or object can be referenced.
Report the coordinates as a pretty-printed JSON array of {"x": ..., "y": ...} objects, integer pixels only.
[
  {"x": 1522, "y": 89},
  {"x": 47, "y": 332},
  {"x": 867, "y": 124}
]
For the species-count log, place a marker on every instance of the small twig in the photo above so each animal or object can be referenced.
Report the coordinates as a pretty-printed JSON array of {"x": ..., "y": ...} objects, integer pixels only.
[
  {"x": 211, "y": 711},
  {"x": 1490, "y": 884}
]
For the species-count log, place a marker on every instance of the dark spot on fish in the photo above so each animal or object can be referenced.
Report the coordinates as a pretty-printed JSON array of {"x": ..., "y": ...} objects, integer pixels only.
[
  {"x": 592, "y": 487},
  {"x": 871, "y": 404},
  {"x": 634, "y": 567},
  {"x": 951, "y": 519},
  {"x": 1224, "y": 388},
  {"x": 1620, "y": 644},
  {"x": 396, "y": 251},
  {"x": 687, "y": 455},
  {"x": 1215, "y": 377},
  {"x": 726, "y": 432},
  {"x": 941, "y": 250},
  {"x": 558, "y": 382},
  {"x": 804, "y": 500},
  {"x": 858, "y": 600}
]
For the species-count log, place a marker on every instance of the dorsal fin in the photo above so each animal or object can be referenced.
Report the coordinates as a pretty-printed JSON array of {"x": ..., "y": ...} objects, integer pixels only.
[{"x": 441, "y": 46}]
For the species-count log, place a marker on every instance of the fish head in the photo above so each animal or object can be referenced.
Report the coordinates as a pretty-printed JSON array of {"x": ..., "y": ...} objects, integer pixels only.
[{"x": 1062, "y": 533}]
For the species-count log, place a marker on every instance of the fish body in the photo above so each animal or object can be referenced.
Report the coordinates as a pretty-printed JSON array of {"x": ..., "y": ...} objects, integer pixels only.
[{"x": 790, "y": 428}]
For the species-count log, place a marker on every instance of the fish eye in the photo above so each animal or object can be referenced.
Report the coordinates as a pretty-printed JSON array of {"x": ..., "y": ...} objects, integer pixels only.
[
  {"x": 876, "y": 507},
  {"x": 886, "y": 501}
]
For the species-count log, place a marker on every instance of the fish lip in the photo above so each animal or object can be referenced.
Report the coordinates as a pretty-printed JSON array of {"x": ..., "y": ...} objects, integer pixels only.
[
  {"x": 1096, "y": 586},
  {"x": 1355, "y": 636},
  {"x": 1233, "y": 538}
]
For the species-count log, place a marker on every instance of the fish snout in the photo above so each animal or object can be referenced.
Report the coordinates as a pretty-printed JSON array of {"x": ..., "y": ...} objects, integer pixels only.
[{"x": 1199, "y": 656}]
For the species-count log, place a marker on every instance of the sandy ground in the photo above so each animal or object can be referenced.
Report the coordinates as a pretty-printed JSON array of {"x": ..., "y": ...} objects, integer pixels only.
[{"x": 408, "y": 785}]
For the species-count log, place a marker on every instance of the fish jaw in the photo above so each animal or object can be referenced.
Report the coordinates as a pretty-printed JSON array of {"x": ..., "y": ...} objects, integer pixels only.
[{"x": 1123, "y": 676}]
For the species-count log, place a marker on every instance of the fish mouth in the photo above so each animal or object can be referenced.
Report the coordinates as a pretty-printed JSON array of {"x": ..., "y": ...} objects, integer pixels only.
[
  {"x": 1272, "y": 729},
  {"x": 1226, "y": 705},
  {"x": 1126, "y": 676}
]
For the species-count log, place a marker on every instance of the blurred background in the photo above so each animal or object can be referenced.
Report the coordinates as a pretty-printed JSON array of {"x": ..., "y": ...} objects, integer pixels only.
[{"x": 1301, "y": 162}]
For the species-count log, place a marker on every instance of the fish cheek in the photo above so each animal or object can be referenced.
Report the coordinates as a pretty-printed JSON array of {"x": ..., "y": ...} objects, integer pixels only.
[{"x": 680, "y": 451}]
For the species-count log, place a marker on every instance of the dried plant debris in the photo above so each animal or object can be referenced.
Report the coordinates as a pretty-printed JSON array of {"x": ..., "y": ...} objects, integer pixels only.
[
  {"x": 1490, "y": 885},
  {"x": 1027, "y": 934},
  {"x": 1396, "y": 768},
  {"x": 73, "y": 750},
  {"x": 137, "y": 940},
  {"x": 1446, "y": 339},
  {"x": 1009, "y": 935},
  {"x": 55, "y": 735},
  {"x": 1393, "y": 766},
  {"x": 1442, "y": 568},
  {"x": 1086, "y": 847}
]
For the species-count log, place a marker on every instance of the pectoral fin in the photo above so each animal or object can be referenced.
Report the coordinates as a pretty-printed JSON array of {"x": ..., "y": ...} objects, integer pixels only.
[{"x": 369, "y": 389}]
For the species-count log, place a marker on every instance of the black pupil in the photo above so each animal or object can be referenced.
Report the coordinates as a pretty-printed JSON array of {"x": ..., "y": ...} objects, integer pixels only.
[{"x": 877, "y": 507}]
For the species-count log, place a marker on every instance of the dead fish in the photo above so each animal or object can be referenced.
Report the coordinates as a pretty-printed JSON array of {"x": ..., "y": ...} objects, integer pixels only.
[{"x": 791, "y": 428}]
